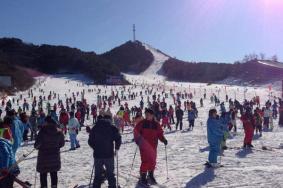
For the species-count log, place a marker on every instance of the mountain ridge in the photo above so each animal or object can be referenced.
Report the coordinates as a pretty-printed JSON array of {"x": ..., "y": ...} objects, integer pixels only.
[{"x": 130, "y": 57}]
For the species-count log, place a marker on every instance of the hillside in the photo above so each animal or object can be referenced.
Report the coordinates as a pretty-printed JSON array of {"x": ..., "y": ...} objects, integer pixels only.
[
  {"x": 252, "y": 71},
  {"x": 22, "y": 79},
  {"x": 56, "y": 59},
  {"x": 131, "y": 57}
]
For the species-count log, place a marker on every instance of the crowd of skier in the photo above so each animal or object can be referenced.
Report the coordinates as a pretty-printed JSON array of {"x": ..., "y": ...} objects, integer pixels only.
[{"x": 48, "y": 126}]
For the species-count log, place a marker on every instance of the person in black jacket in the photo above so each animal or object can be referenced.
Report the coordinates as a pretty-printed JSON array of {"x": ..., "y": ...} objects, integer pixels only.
[
  {"x": 179, "y": 115},
  {"x": 48, "y": 142},
  {"x": 101, "y": 140}
]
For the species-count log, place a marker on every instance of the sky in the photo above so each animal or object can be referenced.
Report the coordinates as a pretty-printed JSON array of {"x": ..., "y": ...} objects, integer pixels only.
[{"x": 191, "y": 30}]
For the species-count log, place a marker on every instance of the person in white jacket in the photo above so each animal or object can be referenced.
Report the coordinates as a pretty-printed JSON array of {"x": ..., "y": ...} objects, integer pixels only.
[
  {"x": 73, "y": 127},
  {"x": 267, "y": 113}
]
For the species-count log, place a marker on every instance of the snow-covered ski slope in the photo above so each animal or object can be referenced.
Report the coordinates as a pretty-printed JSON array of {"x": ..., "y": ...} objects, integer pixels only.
[
  {"x": 157, "y": 63},
  {"x": 187, "y": 150},
  {"x": 273, "y": 64},
  {"x": 151, "y": 74}
]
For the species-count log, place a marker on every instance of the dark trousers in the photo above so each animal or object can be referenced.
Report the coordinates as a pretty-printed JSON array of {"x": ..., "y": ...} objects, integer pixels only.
[
  {"x": 172, "y": 120},
  {"x": 109, "y": 165},
  {"x": 258, "y": 128},
  {"x": 33, "y": 135},
  {"x": 94, "y": 119},
  {"x": 25, "y": 135},
  {"x": 43, "y": 179},
  {"x": 7, "y": 182},
  {"x": 266, "y": 122},
  {"x": 179, "y": 122},
  {"x": 191, "y": 123}
]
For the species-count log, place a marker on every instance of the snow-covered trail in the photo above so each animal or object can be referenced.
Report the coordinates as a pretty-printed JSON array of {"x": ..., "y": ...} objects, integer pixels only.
[
  {"x": 187, "y": 151},
  {"x": 151, "y": 74},
  {"x": 157, "y": 63},
  {"x": 273, "y": 64}
]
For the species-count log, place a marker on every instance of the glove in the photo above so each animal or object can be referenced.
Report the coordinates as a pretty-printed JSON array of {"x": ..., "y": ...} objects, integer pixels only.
[{"x": 165, "y": 142}]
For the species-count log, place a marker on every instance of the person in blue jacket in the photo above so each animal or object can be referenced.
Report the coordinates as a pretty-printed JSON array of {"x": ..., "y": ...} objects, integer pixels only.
[
  {"x": 7, "y": 160},
  {"x": 191, "y": 118},
  {"x": 215, "y": 136},
  {"x": 222, "y": 107},
  {"x": 17, "y": 130}
]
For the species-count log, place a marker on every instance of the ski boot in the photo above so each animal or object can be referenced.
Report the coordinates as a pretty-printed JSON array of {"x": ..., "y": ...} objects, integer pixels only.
[
  {"x": 250, "y": 146},
  {"x": 143, "y": 181},
  {"x": 151, "y": 179},
  {"x": 224, "y": 147}
]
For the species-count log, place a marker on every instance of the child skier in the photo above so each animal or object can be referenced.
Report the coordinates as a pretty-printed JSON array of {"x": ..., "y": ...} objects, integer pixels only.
[
  {"x": 191, "y": 118},
  {"x": 165, "y": 121},
  {"x": 214, "y": 136},
  {"x": 7, "y": 157},
  {"x": 73, "y": 127},
  {"x": 248, "y": 123},
  {"x": 258, "y": 121},
  {"x": 146, "y": 135}
]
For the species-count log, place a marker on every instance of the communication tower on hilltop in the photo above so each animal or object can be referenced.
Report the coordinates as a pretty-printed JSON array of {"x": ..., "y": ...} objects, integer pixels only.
[{"x": 134, "y": 33}]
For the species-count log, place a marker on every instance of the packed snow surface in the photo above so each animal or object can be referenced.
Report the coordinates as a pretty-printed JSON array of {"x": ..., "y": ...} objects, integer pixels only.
[
  {"x": 187, "y": 151},
  {"x": 159, "y": 59}
]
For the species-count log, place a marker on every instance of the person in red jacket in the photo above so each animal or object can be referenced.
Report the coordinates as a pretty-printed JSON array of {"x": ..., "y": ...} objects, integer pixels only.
[
  {"x": 63, "y": 119},
  {"x": 146, "y": 134},
  {"x": 248, "y": 123}
]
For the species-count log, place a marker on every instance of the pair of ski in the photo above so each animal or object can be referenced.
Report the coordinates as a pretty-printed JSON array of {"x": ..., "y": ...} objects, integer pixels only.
[
  {"x": 149, "y": 185},
  {"x": 139, "y": 185},
  {"x": 23, "y": 184},
  {"x": 77, "y": 186},
  {"x": 263, "y": 148},
  {"x": 208, "y": 165}
]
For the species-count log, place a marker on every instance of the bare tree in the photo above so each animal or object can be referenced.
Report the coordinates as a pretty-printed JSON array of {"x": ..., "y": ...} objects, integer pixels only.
[
  {"x": 274, "y": 58},
  {"x": 262, "y": 56}
]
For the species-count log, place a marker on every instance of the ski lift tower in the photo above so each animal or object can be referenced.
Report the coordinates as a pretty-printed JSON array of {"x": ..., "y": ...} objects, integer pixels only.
[{"x": 134, "y": 33}]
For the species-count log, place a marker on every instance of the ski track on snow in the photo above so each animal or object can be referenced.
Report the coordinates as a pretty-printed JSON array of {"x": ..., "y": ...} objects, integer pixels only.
[{"x": 157, "y": 63}]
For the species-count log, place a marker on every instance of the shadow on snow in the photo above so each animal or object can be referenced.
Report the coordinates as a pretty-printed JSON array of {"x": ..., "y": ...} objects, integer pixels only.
[{"x": 201, "y": 179}]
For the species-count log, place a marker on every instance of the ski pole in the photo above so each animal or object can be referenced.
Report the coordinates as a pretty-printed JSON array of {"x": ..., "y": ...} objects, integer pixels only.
[
  {"x": 166, "y": 161},
  {"x": 117, "y": 163},
  {"x": 24, "y": 156},
  {"x": 221, "y": 153},
  {"x": 35, "y": 176},
  {"x": 91, "y": 176},
  {"x": 203, "y": 132},
  {"x": 132, "y": 166}
]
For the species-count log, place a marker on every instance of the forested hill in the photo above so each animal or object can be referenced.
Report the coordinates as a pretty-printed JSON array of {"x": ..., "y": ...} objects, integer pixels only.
[
  {"x": 253, "y": 71},
  {"x": 130, "y": 57}
]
